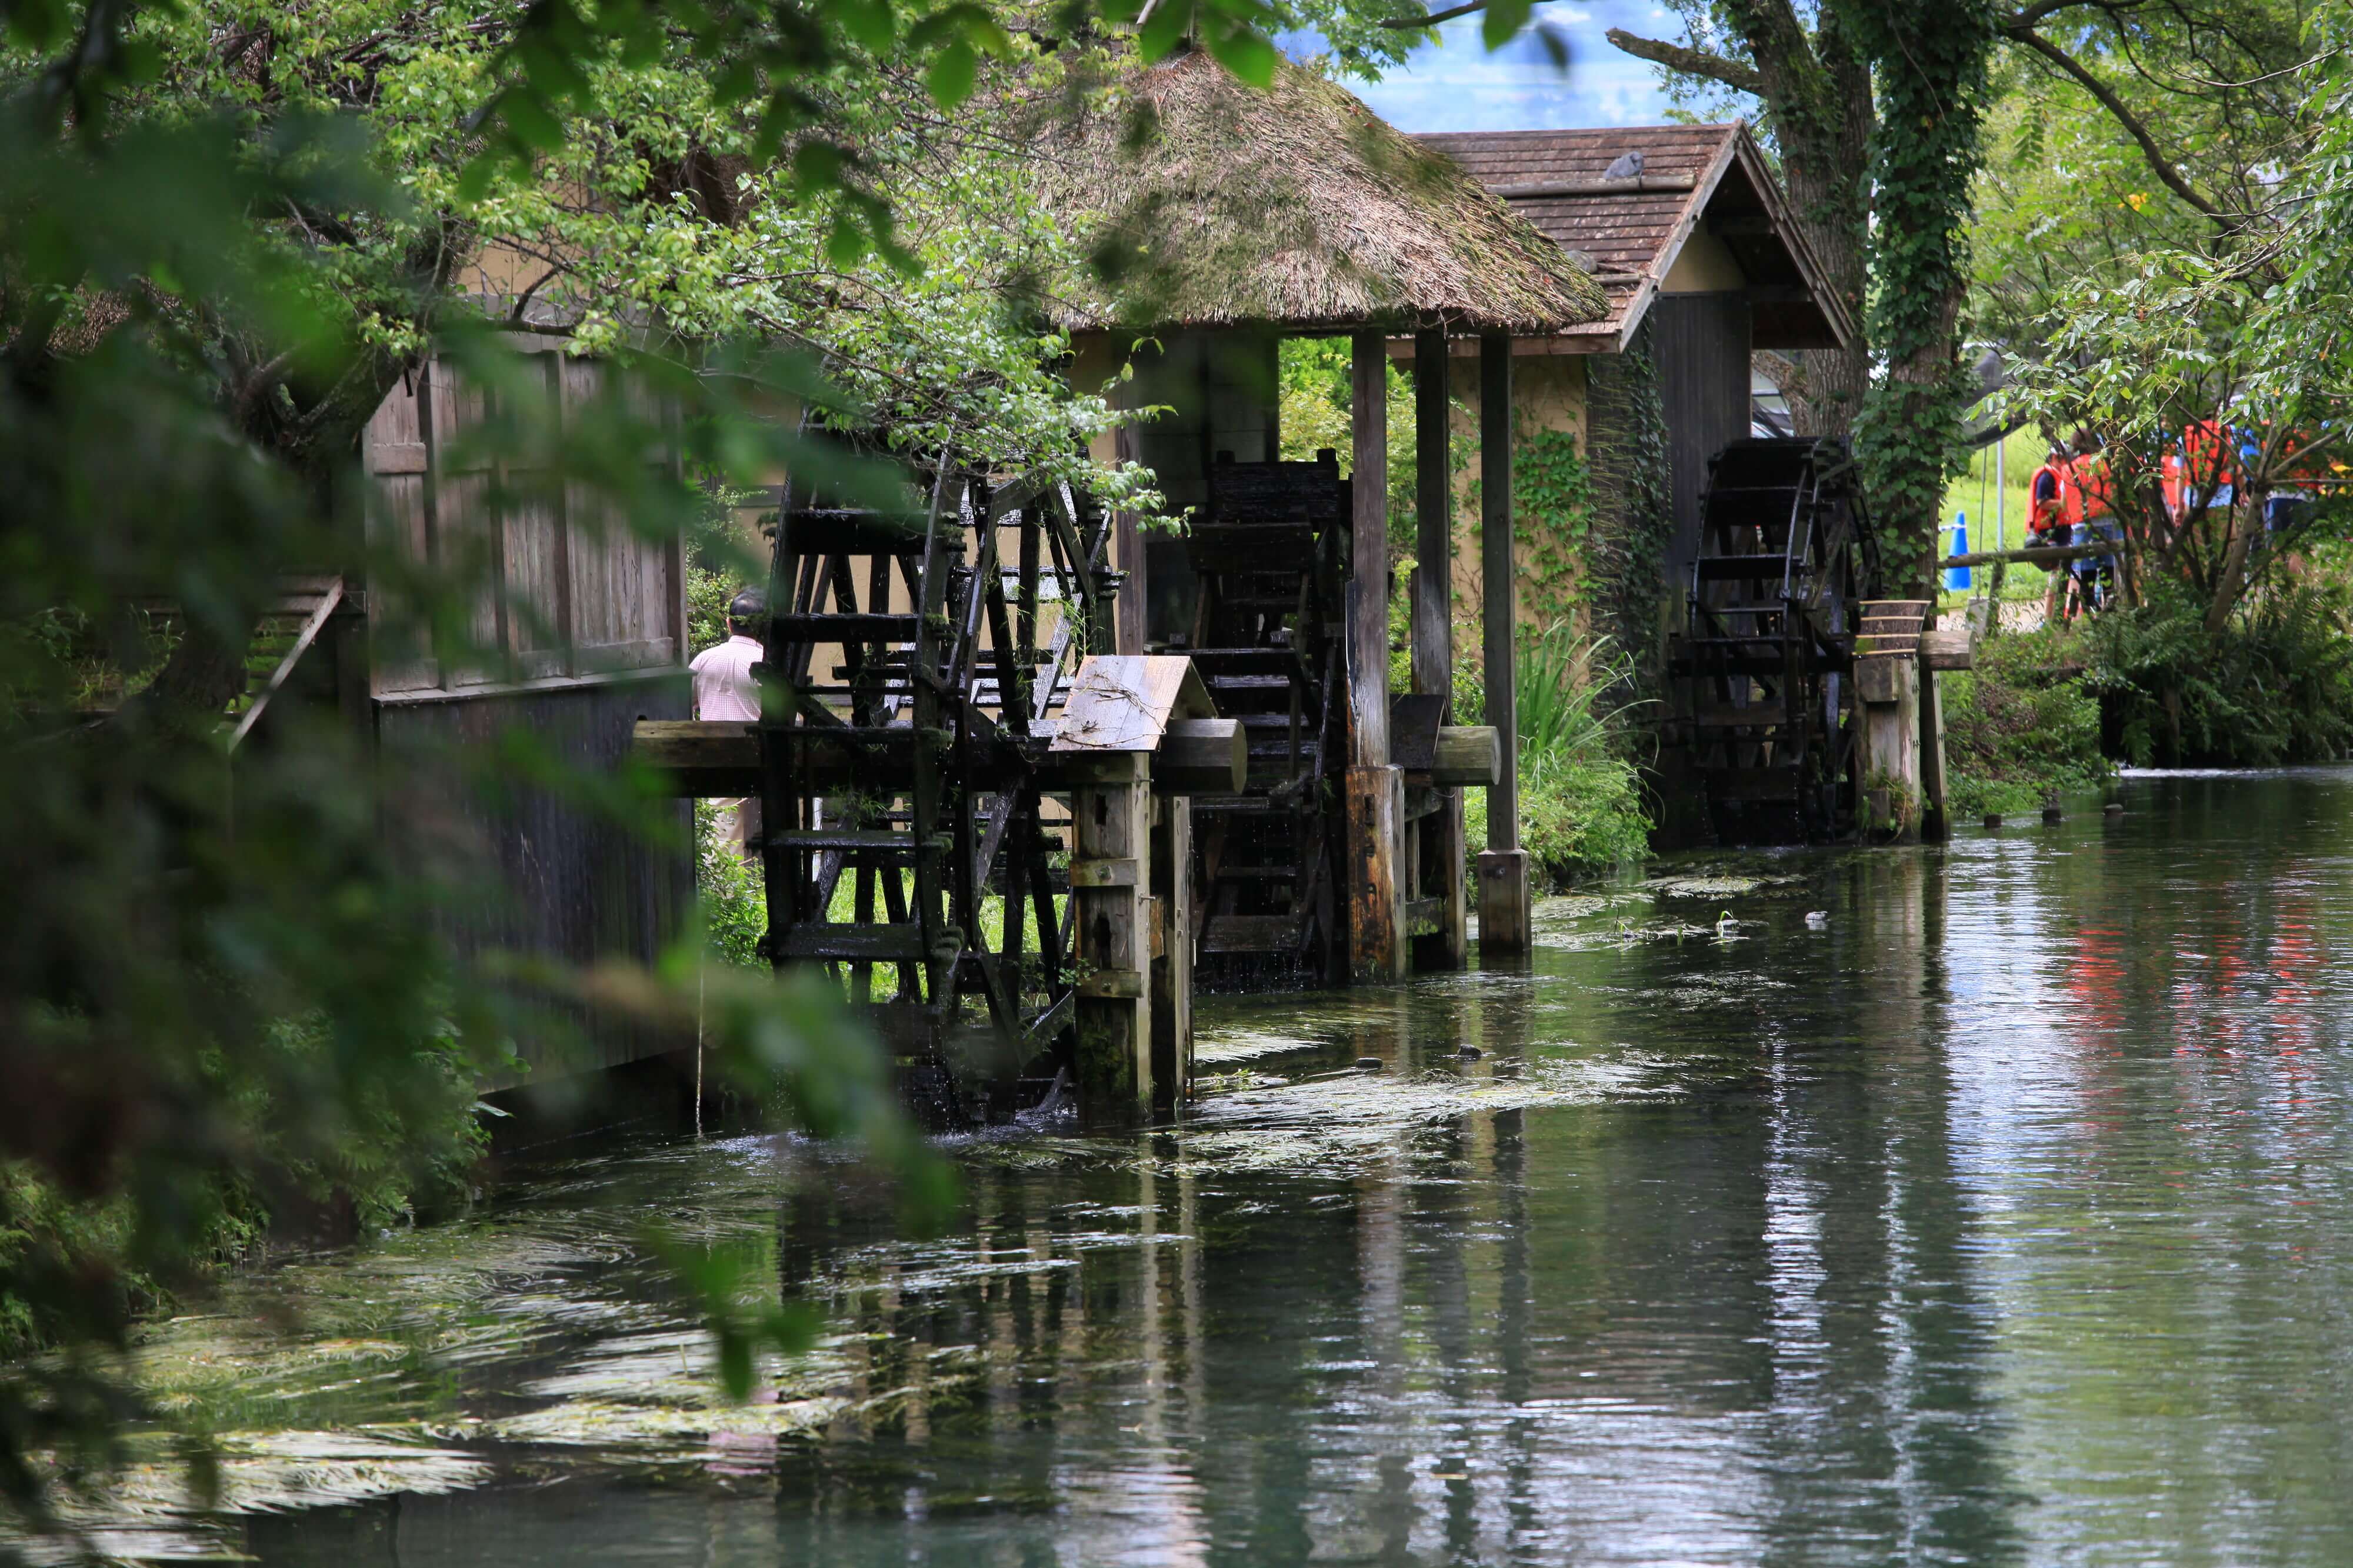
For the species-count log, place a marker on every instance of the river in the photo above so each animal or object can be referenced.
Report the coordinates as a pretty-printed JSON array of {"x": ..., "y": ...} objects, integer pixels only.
[{"x": 1997, "y": 1215}]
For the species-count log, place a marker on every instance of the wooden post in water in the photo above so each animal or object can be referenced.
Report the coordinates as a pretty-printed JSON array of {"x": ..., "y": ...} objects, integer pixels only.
[
  {"x": 1376, "y": 789},
  {"x": 1172, "y": 948},
  {"x": 1888, "y": 676},
  {"x": 1437, "y": 849},
  {"x": 1505, "y": 912},
  {"x": 1111, "y": 886}
]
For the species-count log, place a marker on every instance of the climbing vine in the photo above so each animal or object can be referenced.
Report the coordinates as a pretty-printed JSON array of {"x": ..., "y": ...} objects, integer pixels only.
[
  {"x": 1552, "y": 518},
  {"x": 1929, "y": 70},
  {"x": 1627, "y": 463}
]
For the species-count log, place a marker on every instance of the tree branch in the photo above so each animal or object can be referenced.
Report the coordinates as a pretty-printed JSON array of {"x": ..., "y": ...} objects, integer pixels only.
[
  {"x": 1692, "y": 62},
  {"x": 1405, "y": 24},
  {"x": 2125, "y": 117}
]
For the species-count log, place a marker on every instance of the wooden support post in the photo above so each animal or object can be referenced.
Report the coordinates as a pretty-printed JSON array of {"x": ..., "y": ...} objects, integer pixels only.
[
  {"x": 1443, "y": 857},
  {"x": 1505, "y": 914},
  {"x": 1936, "y": 824},
  {"x": 1125, "y": 555},
  {"x": 1111, "y": 882},
  {"x": 1172, "y": 950},
  {"x": 1375, "y": 790},
  {"x": 1887, "y": 685}
]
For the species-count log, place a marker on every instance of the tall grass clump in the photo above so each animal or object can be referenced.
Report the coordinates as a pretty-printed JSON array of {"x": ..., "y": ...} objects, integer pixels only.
[{"x": 1582, "y": 811}]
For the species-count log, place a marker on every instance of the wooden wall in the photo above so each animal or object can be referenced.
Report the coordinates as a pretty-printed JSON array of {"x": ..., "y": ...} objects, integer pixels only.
[
  {"x": 587, "y": 624},
  {"x": 1702, "y": 343},
  {"x": 572, "y": 593}
]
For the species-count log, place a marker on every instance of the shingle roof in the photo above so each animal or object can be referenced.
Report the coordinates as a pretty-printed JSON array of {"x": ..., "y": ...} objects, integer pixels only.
[{"x": 1628, "y": 233}]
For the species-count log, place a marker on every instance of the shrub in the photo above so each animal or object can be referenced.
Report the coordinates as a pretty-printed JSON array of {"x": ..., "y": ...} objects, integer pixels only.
[
  {"x": 2275, "y": 684},
  {"x": 2020, "y": 725},
  {"x": 732, "y": 898}
]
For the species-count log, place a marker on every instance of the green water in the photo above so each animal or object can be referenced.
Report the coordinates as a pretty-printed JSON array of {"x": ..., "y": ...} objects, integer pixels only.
[{"x": 2000, "y": 1219}]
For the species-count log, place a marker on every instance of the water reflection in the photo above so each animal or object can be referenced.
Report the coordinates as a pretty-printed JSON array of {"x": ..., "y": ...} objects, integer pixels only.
[{"x": 2000, "y": 1220}]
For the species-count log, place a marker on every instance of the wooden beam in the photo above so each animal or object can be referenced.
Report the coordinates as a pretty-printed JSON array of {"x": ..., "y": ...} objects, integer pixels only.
[
  {"x": 1368, "y": 560},
  {"x": 1172, "y": 951},
  {"x": 1538, "y": 190},
  {"x": 1202, "y": 756},
  {"x": 1498, "y": 583},
  {"x": 2037, "y": 555},
  {"x": 1111, "y": 828},
  {"x": 1433, "y": 609},
  {"x": 1436, "y": 842},
  {"x": 1469, "y": 756},
  {"x": 1504, "y": 903},
  {"x": 720, "y": 759}
]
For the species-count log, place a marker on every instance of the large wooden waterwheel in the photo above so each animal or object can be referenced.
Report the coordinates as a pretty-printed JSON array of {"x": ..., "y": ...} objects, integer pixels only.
[
  {"x": 1268, "y": 554},
  {"x": 1768, "y": 642},
  {"x": 904, "y": 839}
]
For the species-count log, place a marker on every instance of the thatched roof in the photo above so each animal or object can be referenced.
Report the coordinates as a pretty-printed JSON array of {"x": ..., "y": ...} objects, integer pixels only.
[{"x": 1208, "y": 203}]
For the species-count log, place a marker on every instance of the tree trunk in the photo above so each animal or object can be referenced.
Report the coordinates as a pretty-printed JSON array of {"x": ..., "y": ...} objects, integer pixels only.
[
  {"x": 2245, "y": 516},
  {"x": 1819, "y": 91}
]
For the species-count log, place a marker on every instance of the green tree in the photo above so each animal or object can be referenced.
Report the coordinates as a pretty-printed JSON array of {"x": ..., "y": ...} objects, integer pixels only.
[{"x": 224, "y": 232}]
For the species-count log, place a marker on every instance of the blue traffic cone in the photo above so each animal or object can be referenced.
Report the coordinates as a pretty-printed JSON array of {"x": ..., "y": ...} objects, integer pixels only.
[{"x": 1957, "y": 578}]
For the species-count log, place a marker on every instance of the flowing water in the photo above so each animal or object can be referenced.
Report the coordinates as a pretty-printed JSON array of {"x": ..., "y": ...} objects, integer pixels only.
[{"x": 1999, "y": 1216}]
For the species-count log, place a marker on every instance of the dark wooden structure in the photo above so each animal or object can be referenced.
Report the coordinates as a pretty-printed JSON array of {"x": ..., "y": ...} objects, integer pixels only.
[
  {"x": 1253, "y": 217},
  {"x": 1268, "y": 561},
  {"x": 1768, "y": 642},
  {"x": 975, "y": 817},
  {"x": 584, "y": 619},
  {"x": 905, "y": 765},
  {"x": 1700, "y": 247}
]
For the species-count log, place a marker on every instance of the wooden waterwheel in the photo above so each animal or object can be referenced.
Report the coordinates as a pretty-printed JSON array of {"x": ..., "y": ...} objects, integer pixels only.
[
  {"x": 904, "y": 839},
  {"x": 1268, "y": 554},
  {"x": 1769, "y": 641}
]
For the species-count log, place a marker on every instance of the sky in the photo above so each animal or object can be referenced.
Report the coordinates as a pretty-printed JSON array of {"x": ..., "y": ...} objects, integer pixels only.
[{"x": 1456, "y": 85}]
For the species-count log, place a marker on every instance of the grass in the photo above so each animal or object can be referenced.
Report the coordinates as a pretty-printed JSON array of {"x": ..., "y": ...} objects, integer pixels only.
[
  {"x": 2014, "y": 731},
  {"x": 1582, "y": 814}
]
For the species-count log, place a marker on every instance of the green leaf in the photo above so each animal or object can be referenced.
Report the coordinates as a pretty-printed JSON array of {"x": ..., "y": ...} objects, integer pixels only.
[
  {"x": 1163, "y": 29},
  {"x": 1247, "y": 53},
  {"x": 950, "y": 78},
  {"x": 1503, "y": 21},
  {"x": 871, "y": 23}
]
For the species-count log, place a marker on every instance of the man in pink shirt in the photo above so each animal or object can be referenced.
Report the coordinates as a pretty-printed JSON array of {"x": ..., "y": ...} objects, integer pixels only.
[{"x": 724, "y": 687}]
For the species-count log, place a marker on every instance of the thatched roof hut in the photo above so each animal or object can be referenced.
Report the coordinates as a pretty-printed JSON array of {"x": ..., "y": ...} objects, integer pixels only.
[{"x": 1206, "y": 203}]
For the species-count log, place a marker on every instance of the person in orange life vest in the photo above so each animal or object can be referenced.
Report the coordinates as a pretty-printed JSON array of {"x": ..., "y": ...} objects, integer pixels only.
[
  {"x": 2051, "y": 499},
  {"x": 2206, "y": 464},
  {"x": 2048, "y": 495},
  {"x": 724, "y": 687},
  {"x": 2095, "y": 501}
]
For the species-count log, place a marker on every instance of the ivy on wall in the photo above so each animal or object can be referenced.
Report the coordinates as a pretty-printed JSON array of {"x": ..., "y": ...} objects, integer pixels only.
[
  {"x": 1552, "y": 521},
  {"x": 1628, "y": 465}
]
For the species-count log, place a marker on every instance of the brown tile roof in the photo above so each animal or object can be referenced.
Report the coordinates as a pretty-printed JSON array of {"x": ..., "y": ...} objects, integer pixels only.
[{"x": 1629, "y": 234}]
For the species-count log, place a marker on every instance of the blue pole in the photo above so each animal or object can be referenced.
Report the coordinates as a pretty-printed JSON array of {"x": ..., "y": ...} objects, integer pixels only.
[{"x": 1957, "y": 578}]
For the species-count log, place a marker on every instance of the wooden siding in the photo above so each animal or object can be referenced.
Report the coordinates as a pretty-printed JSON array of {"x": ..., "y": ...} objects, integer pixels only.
[
  {"x": 554, "y": 880},
  {"x": 588, "y": 625},
  {"x": 567, "y": 593},
  {"x": 1702, "y": 341}
]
